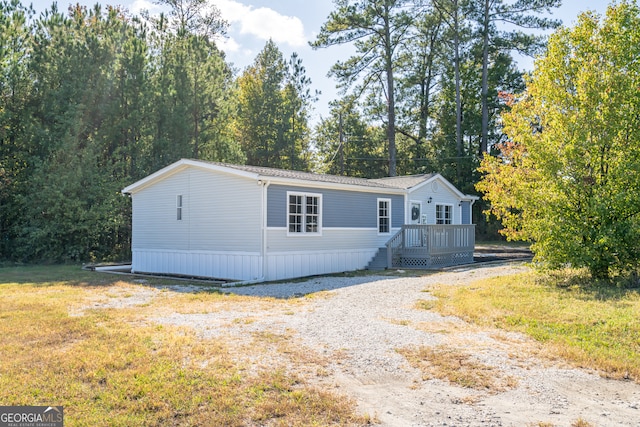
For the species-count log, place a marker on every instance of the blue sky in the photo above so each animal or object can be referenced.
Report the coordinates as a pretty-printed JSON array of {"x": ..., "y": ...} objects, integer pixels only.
[{"x": 292, "y": 24}]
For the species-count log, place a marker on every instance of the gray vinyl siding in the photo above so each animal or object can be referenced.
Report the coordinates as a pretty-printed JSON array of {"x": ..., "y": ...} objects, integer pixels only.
[
  {"x": 220, "y": 213},
  {"x": 466, "y": 212},
  {"x": 340, "y": 209}
]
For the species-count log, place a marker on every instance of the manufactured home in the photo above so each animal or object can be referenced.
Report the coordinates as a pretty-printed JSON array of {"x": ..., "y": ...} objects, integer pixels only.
[{"x": 249, "y": 223}]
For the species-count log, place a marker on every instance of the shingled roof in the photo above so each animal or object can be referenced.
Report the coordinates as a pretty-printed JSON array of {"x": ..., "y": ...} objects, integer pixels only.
[
  {"x": 261, "y": 172},
  {"x": 404, "y": 182},
  {"x": 400, "y": 182}
]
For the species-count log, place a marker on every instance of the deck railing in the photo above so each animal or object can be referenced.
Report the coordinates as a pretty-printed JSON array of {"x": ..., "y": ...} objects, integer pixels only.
[{"x": 431, "y": 246}]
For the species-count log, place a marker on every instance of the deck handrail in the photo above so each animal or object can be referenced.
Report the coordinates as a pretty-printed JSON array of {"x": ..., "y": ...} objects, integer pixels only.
[
  {"x": 431, "y": 245},
  {"x": 392, "y": 244}
]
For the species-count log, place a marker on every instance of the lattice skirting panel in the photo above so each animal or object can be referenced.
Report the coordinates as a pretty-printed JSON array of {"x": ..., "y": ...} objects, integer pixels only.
[{"x": 434, "y": 261}]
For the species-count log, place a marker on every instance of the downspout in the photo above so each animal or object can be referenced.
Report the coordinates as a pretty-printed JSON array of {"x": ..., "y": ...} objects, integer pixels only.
[
  {"x": 473, "y": 200},
  {"x": 407, "y": 209},
  {"x": 263, "y": 249}
]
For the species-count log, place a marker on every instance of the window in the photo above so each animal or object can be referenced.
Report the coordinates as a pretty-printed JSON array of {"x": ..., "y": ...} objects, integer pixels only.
[
  {"x": 384, "y": 216},
  {"x": 304, "y": 213},
  {"x": 179, "y": 207},
  {"x": 444, "y": 214}
]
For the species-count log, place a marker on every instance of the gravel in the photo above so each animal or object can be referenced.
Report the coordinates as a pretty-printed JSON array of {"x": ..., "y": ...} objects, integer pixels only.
[{"x": 359, "y": 324}]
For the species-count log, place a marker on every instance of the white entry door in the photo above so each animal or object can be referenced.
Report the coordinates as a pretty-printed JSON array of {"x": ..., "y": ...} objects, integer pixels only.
[{"x": 416, "y": 212}]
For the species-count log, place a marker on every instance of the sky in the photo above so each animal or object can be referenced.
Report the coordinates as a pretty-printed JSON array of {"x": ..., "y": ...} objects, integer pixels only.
[{"x": 292, "y": 24}]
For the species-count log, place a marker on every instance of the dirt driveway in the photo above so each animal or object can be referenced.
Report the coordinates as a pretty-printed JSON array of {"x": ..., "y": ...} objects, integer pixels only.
[{"x": 355, "y": 337}]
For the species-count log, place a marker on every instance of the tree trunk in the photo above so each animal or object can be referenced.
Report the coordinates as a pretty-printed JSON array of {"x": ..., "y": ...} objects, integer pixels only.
[
  {"x": 391, "y": 103},
  {"x": 485, "y": 81},
  {"x": 456, "y": 61},
  {"x": 391, "y": 128}
]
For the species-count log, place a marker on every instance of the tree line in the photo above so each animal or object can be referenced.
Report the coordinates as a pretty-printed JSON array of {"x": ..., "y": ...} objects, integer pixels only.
[{"x": 93, "y": 99}]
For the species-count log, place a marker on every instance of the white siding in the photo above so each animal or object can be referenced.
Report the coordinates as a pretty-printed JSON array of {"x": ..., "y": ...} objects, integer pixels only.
[
  {"x": 440, "y": 195},
  {"x": 219, "y": 235},
  {"x": 225, "y": 212},
  {"x": 154, "y": 215}
]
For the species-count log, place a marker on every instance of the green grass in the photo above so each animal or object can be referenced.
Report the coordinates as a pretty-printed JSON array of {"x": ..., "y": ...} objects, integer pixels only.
[
  {"x": 592, "y": 326},
  {"x": 114, "y": 367}
]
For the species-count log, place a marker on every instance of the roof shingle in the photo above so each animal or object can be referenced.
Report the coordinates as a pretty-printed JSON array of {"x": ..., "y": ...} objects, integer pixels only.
[{"x": 394, "y": 183}]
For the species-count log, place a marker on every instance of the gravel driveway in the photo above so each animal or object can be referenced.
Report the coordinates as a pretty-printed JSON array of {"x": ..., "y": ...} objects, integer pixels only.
[{"x": 357, "y": 326}]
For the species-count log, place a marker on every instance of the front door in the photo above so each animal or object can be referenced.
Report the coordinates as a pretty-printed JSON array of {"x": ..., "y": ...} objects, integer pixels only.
[
  {"x": 416, "y": 212},
  {"x": 416, "y": 236}
]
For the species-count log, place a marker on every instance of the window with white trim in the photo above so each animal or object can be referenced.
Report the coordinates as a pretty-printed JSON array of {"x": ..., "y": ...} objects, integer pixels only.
[
  {"x": 384, "y": 216},
  {"x": 304, "y": 213},
  {"x": 444, "y": 214},
  {"x": 179, "y": 207}
]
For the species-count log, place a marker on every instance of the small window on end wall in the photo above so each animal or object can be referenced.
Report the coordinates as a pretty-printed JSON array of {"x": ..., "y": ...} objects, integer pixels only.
[
  {"x": 179, "y": 207},
  {"x": 384, "y": 216},
  {"x": 444, "y": 214}
]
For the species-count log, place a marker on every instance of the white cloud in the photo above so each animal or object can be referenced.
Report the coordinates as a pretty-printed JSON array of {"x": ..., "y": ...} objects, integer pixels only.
[
  {"x": 263, "y": 23},
  {"x": 228, "y": 44},
  {"x": 139, "y": 5}
]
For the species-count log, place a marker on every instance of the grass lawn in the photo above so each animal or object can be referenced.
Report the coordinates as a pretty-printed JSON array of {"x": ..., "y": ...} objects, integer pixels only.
[
  {"x": 594, "y": 327},
  {"x": 114, "y": 367}
]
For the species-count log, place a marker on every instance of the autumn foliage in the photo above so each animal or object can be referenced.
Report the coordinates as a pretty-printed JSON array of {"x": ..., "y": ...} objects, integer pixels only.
[{"x": 568, "y": 179}]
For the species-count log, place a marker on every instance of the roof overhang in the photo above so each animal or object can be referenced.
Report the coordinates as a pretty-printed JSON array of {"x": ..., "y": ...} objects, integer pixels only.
[
  {"x": 178, "y": 166},
  {"x": 183, "y": 164},
  {"x": 449, "y": 185}
]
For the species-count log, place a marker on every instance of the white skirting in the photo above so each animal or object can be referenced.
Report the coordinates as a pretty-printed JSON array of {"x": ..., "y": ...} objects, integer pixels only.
[
  {"x": 219, "y": 265},
  {"x": 288, "y": 265},
  {"x": 247, "y": 266}
]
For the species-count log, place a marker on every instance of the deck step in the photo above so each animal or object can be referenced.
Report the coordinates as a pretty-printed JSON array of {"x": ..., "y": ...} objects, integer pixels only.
[{"x": 379, "y": 261}]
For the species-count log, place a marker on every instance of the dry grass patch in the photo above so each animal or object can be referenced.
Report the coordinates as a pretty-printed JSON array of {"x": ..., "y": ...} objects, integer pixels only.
[
  {"x": 457, "y": 367},
  {"x": 284, "y": 350},
  {"x": 208, "y": 301},
  {"x": 593, "y": 327},
  {"x": 399, "y": 322},
  {"x": 110, "y": 367},
  {"x": 581, "y": 423},
  {"x": 426, "y": 304},
  {"x": 447, "y": 327}
]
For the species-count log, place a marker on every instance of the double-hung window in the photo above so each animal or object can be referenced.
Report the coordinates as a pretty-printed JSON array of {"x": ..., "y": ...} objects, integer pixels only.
[
  {"x": 384, "y": 216},
  {"x": 444, "y": 214},
  {"x": 304, "y": 213}
]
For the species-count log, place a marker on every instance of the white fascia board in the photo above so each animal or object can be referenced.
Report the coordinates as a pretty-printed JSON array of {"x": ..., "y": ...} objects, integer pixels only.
[
  {"x": 156, "y": 176},
  {"x": 179, "y": 166},
  {"x": 185, "y": 163},
  {"x": 450, "y": 186}
]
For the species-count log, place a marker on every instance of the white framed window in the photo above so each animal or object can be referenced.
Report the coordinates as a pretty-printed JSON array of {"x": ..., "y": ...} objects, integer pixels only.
[
  {"x": 444, "y": 214},
  {"x": 179, "y": 207},
  {"x": 304, "y": 213},
  {"x": 384, "y": 216}
]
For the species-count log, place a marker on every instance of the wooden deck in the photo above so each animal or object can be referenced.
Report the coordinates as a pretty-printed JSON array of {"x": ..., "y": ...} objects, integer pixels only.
[{"x": 431, "y": 246}]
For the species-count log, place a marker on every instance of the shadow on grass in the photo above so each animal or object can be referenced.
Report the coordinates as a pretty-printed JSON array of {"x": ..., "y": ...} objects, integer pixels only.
[
  {"x": 581, "y": 285},
  {"x": 50, "y": 275},
  {"x": 74, "y": 275}
]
